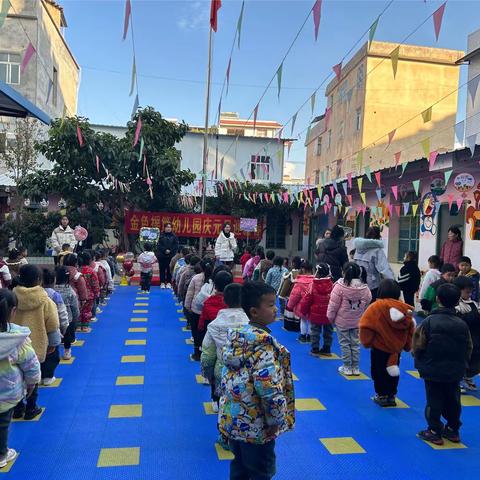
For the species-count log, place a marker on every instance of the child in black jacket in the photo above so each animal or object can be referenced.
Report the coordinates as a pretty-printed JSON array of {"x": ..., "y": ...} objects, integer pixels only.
[
  {"x": 467, "y": 310},
  {"x": 409, "y": 278},
  {"x": 442, "y": 346}
]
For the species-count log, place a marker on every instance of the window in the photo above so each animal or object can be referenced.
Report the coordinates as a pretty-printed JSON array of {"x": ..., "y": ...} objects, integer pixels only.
[
  {"x": 330, "y": 100},
  {"x": 261, "y": 132},
  {"x": 338, "y": 168},
  {"x": 329, "y": 138},
  {"x": 408, "y": 235},
  {"x": 360, "y": 75},
  {"x": 319, "y": 146},
  {"x": 54, "y": 86},
  {"x": 276, "y": 232},
  {"x": 341, "y": 129},
  {"x": 10, "y": 68},
  {"x": 358, "y": 118},
  {"x": 342, "y": 91},
  {"x": 260, "y": 167},
  {"x": 317, "y": 177},
  {"x": 236, "y": 131}
]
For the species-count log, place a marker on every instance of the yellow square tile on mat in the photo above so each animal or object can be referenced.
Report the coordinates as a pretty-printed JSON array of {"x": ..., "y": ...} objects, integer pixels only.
[
  {"x": 400, "y": 404},
  {"x": 136, "y": 342},
  {"x": 223, "y": 454},
  {"x": 130, "y": 380},
  {"x": 201, "y": 379},
  {"x": 185, "y": 329},
  {"x": 470, "y": 401},
  {"x": 140, "y": 305},
  {"x": 342, "y": 445},
  {"x": 178, "y": 304},
  {"x": 189, "y": 341},
  {"x": 138, "y": 319},
  {"x": 308, "y": 404},
  {"x": 140, "y": 311},
  {"x": 137, "y": 330},
  {"x": 78, "y": 343},
  {"x": 119, "y": 457},
  {"x": 448, "y": 445},
  {"x": 179, "y": 311},
  {"x": 295, "y": 378},
  {"x": 182, "y": 319},
  {"x": 413, "y": 373},
  {"x": 67, "y": 362},
  {"x": 125, "y": 411},
  {"x": 36, "y": 419},
  {"x": 133, "y": 359},
  {"x": 334, "y": 356},
  {"x": 208, "y": 407},
  {"x": 56, "y": 383},
  {"x": 9, "y": 465},
  {"x": 362, "y": 376},
  {"x": 142, "y": 298}
]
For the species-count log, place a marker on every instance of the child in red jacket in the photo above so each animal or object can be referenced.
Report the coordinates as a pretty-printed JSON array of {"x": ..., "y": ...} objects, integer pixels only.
[
  {"x": 212, "y": 305},
  {"x": 314, "y": 306},
  {"x": 93, "y": 290},
  {"x": 387, "y": 328},
  {"x": 77, "y": 282}
]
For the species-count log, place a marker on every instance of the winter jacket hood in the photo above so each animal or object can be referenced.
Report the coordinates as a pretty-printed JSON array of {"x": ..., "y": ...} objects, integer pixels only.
[
  {"x": 211, "y": 307},
  {"x": 31, "y": 298},
  {"x": 12, "y": 339},
  {"x": 226, "y": 319}
]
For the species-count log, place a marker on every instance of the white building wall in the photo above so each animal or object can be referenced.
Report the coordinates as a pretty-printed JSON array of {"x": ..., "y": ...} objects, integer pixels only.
[{"x": 472, "y": 126}]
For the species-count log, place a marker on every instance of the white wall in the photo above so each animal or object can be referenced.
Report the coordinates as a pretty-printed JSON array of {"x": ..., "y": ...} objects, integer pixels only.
[{"x": 473, "y": 124}]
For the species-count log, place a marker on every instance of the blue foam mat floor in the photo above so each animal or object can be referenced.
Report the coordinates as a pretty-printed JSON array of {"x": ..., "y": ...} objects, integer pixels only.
[{"x": 174, "y": 438}]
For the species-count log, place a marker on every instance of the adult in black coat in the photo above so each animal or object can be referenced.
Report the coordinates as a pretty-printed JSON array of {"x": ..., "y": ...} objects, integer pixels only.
[
  {"x": 409, "y": 278},
  {"x": 167, "y": 247},
  {"x": 333, "y": 252}
]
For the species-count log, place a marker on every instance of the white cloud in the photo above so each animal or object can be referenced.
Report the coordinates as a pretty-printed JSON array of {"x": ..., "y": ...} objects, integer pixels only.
[
  {"x": 195, "y": 15},
  {"x": 295, "y": 170}
]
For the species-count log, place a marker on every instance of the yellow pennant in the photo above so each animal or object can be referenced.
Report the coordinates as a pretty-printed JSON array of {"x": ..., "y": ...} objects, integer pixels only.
[
  {"x": 394, "y": 56},
  {"x": 363, "y": 197},
  {"x": 359, "y": 161},
  {"x": 360, "y": 183},
  {"x": 427, "y": 115},
  {"x": 426, "y": 147},
  {"x": 414, "y": 208}
]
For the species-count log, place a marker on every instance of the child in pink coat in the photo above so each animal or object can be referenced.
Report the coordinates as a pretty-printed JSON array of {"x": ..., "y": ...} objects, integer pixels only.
[
  {"x": 300, "y": 287},
  {"x": 350, "y": 297}
]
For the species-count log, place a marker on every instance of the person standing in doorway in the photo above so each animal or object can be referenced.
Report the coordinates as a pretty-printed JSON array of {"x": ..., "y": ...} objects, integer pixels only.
[
  {"x": 453, "y": 246},
  {"x": 166, "y": 248},
  {"x": 61, "y": 235},
  {"x": 226, "y": 245}
]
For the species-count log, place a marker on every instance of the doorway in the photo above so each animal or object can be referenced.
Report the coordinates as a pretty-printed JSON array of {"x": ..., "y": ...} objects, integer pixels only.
[{"x": 449, "y": 218}]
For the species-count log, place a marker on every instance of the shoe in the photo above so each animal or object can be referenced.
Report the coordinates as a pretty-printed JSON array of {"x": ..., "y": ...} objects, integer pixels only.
[
  {"x": 450, "y": 434},
  {"x": 34, "y": 413},
  {"x": 391, "y": 401},
  {"x": 103, "y": 304},
  {"x": 86, "y": 330},
  {"x": 315, "y": 352},
  {"x": 19, "y": 413},
  {"x": 93, "y": 320},
  {"x": 356, "y": 372},
  {"x": 48, "y": 381},
  {"x": 169, "y": 285},
  {"x": 469, "y": 384},
  {"x": 309, "y": 340},
  {"x": 99, "y": 310},
  {"x": 74, "y": 341},
  {"x": 215, "y": 407},
  {"x": 9, "y": 457},
  {"x": 67, "y": 354},
  {"x": 325, "y": 351},
  {"x": 302, "y": 338},
  {"x": 430, "y": 436},
  {"x": 162, "y": 285},
  {"x": 381, "y": 400},
  {"x": 188, "y": 327},
  {"x": 343, "y": 370},
  {"x": 195, "y": 357}
]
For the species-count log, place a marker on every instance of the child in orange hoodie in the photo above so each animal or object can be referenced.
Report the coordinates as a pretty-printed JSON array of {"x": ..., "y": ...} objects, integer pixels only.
[{"x": 387, "y": 328}]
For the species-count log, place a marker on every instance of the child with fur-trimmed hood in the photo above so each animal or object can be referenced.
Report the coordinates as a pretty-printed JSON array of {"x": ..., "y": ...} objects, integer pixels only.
[{"x": 387, "y": 328}]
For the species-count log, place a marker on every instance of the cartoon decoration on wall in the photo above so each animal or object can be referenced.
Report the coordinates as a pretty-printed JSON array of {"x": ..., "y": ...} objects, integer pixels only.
[
  {"x": 437, "y": 185},
  {"x": 463, "y": 183},
  {"x": 473, "y": 215},
  {"x": 379, "y": 216},
  {"x": 428, "y": 212}
]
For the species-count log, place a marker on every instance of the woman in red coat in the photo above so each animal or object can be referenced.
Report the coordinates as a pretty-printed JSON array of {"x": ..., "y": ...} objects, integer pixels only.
[{"x": 453, "y": 247}]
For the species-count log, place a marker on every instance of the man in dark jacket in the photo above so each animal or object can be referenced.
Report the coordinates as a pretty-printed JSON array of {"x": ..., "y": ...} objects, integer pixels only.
[
  {"x": 442, "y": 346},
  {"x": 333, "y": 252},
  {"x": 167, "y": 247}
]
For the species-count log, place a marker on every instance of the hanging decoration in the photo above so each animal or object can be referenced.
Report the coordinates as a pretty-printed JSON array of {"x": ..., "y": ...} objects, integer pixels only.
[
  {"x": 135, "y": 107},
  {"x": 390, "y": 137},
  {"x": 394, "y": 57},
  {"x": 137, "y": 131},
  {"x": 229, "y": 66},
  {"x": 437, "y": 19},
  {"x": 432, "y": 158},
  {"x": 397, "y": 158},
  {"x": 426, "y": 147},
  {"x": 427, "y": 115},
  {"x": 312, "y": 101},
  {"x": 473, "y": 88},
  {"x": 294, "y": 119},
  {"x": 471, "y": 141},
  {"x": 80, "y": 136},
  {"x": 338, "y": 70},
  {"x": 214, "y": 8},
  {"x": 239, "y": 24},
  {"x": 4, "y": 11},
  {"x": 317, "y": 12},
  {"x": 27, "y": 56},
  {"x": 255, "y": 113},
  {"x": 395, "y": 191},
  {"x": 279, "y": 79},
  {"x": 416, "y": 186},
  {"x": 460, "y": 132},
  {"x": 378, "y": 178},
  {"x": 359, "y": 183},
  {"x": 128, "y": 11},
  {"x": 134, "y": 75},
  {"x": 368, "y": 173},
  {"x": 371, "y": 32},
  {"x": 447, "y": 176},
  {"x": 414, "y": 209}
]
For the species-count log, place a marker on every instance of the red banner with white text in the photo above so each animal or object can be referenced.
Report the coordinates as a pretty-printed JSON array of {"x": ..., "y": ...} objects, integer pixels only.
[{"x": 187, "y": 224}]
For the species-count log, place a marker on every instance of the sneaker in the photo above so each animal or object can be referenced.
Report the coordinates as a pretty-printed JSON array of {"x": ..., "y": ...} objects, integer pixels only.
[
  {"x": 32, "y": 414},
  {"x": 430, "y": 436},
  {"x": 99, "y": 310},
  {"x": 325, "y": 351},
  {"x": 9, "y": 457},
  {"x": 67, "y": 354},
  {"x": 381, "y": 400},
  {"x": 162, "y": 285},
  {"x": 93, "y": 320},
  {"x": 86, "y": 330},
  {"x": 19, "y": 412},
  {"x": 215, "y": 407},
  {"x": 315, "y": 352},
  {"x": 356, "y": 372},
  {"x": 391, "y": 401},
  {"x": 302, "y": 338},
  {"x": 344, "y": 370},
  {"x": 450, "y": 434},
  {"x": 103, "y": 304},
  {"x": 48, "y": 381},
  {"x": 469, "y": 384},
  {"x": 169, "y": 285}
]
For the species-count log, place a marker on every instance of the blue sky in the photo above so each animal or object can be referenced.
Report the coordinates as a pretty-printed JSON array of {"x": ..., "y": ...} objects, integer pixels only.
[{"x": 171, "y": 50}]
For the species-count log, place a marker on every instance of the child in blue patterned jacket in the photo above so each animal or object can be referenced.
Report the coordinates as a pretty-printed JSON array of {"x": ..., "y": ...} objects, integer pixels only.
[
  {"x": 19, "y": 369},
  {"x": 276, "y": 273}
]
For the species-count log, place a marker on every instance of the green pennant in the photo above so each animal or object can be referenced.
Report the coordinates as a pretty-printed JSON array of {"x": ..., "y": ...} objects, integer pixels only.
[
  {"x": 447, "y": 175},
  {"x": 4, "y": 11},
  {"x": 312, "y": 101},
  {"x": 416, "y": 186},
  {"x": 134, "y": 76},
  {"x": 279, "y": 79},
  {"x": 404, "y": 167},
  {"x": 371, "y": 32},
  {"x": 239, "y": 25},
  {"x": 294, "y": 119},
  {"x": 368, "y": 173}
]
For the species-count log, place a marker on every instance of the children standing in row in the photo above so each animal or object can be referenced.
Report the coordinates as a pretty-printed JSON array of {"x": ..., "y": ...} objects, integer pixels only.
[
  {"x": 448, "y": 273},
  {"x": 276, "y": 273},
  {"x": 433, "y": 274},
  {"x": 77, "y": 282},
  {"x": 465, "y": 270}
]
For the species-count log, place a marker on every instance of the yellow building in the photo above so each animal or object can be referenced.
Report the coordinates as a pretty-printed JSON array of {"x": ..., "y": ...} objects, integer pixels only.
[{"x": 368, "y": 103}]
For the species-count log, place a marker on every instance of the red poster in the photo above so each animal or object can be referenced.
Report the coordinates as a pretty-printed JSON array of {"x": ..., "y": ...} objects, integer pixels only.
[{"x": 187, "y": 224}]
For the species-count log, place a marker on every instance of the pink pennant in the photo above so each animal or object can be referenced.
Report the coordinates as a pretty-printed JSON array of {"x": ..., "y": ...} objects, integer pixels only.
[
  {"x": 27, "y": 57},
  {"x": 128, "y": 11},
  {"x": 349, "y": 179},
  {"x": 450, "y": 201},
  {"x": 390, "y": 210},
  {"x": 390, "y": 137},
  {"x": 437, "y": 19},
  {"x": 395, "y": 191},
  {"x": 364, "y": 209},
  {"x": 97, "y": 160},
  {"x": 80, "y": 136},
  {"x": 138, "y": 130},
  {"x": 397, "y": 158},
  {"x": 397, "y": 210},
  {"x": 338, "y": 70},
  {"x": 328, "y": 114},
  {"x": 144, "y": 164},
  {"x": 378, "y": 178},
  {"x": 459, "y": 203},
  {"x": 285, "y": 197},
  {"x": 255, "y": 113},
  {"x": 317, "y": 12},
  {"x": 432, "y": 158}
]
